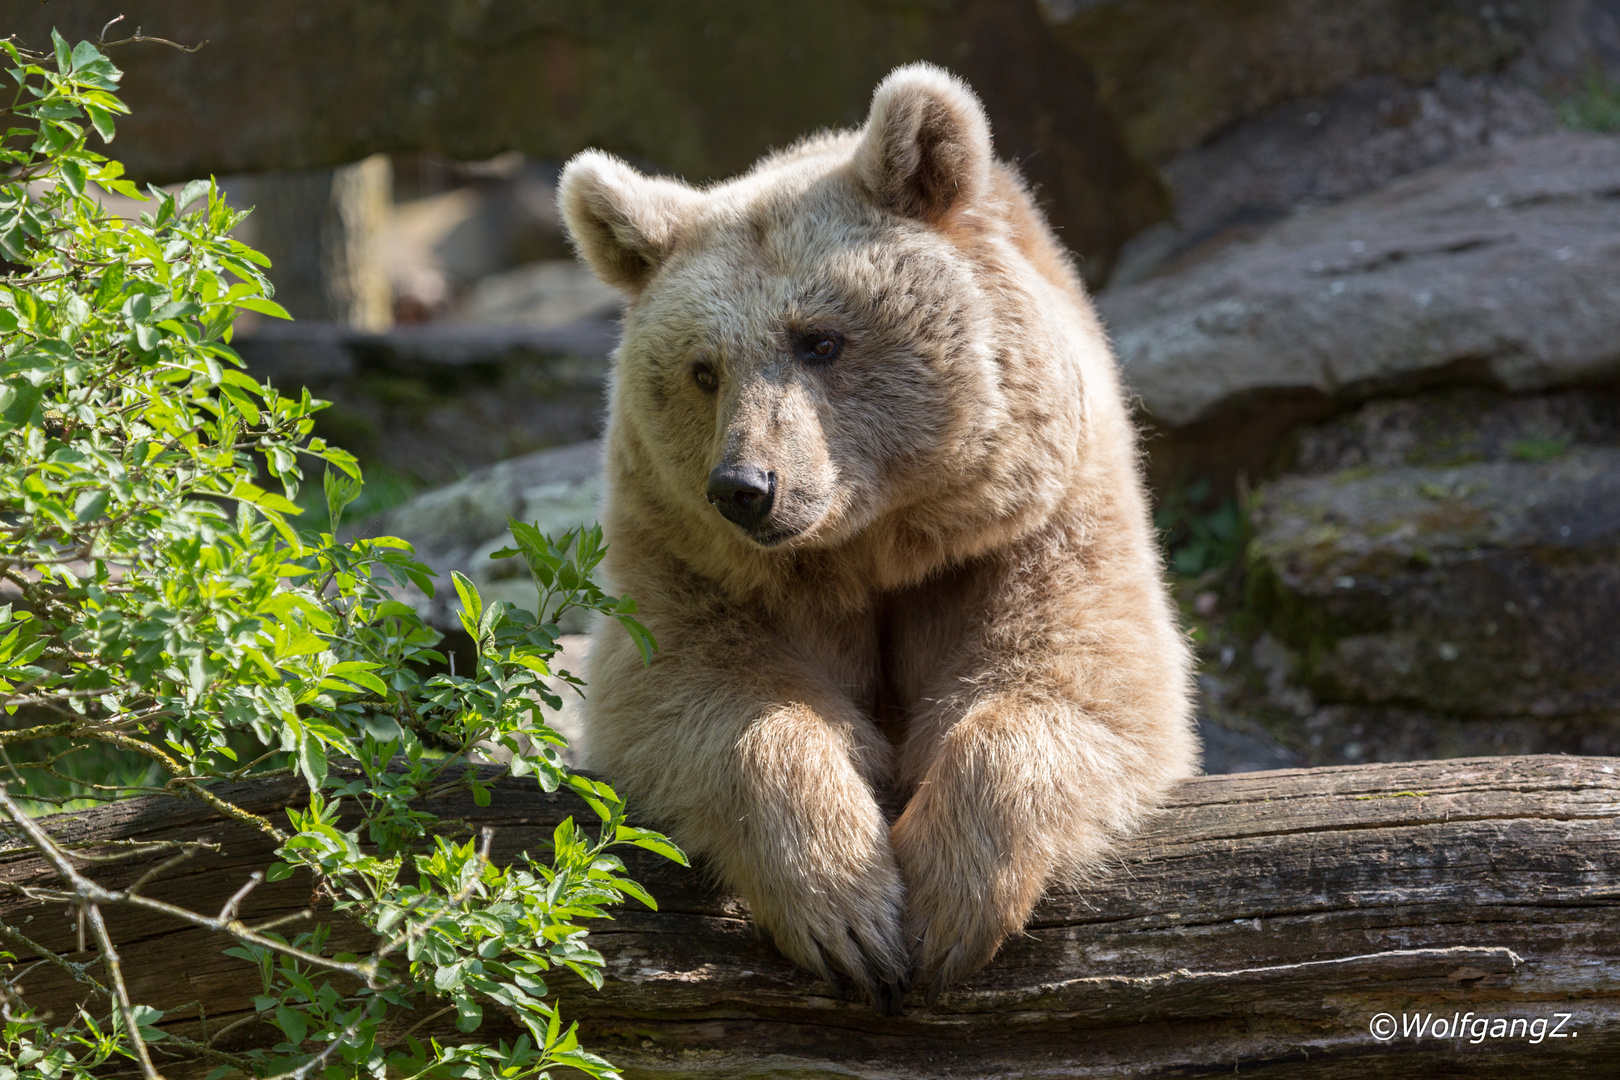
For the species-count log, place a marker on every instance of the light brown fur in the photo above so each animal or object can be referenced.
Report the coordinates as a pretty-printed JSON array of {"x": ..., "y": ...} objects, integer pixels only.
[{"x": 964, "y": 615}]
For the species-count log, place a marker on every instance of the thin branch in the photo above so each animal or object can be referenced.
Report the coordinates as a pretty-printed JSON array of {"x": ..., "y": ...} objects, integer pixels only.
[
  {"x": 42, "y": 731},
  {"x": 320, "y": 1059},
  {"x": 228, "y": 912},
  {"x": 138, "y": 38},
  {"x": 412, "y": 1030},
  {"x": 234, "y": 1024},
  {"x": 77, "y": 972},
  {"x": 131, "y": 849},
  {"x": 159, "y": 870},
  {"x": 86, "y": 891},
  {"x": 109, "y": 957},
  {"x": 283, "y": 920},
  {"x": 231, "y": 810},
  {"x": 202, "y": 1049}
]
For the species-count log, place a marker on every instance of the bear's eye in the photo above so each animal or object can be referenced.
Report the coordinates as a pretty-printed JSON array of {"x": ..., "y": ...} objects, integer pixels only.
[
  {"x": 703, "y": 374},
  {"x": 818, "y": 346}
]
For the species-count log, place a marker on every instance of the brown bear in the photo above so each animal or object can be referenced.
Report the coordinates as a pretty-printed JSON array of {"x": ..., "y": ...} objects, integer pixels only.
[{"x": 871, "y": 478}]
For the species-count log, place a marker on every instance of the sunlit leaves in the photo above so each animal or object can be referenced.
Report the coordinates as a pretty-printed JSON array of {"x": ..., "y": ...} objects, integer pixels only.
[{"x": 177, "y": 622}]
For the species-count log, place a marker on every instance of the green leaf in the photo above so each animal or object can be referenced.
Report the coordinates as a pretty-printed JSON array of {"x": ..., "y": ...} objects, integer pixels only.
[
  {"x": 91, "y": 505},
  {"x": 360, "y": 674},
  {"x": 72, "y": 174},
  {"x": 652, "y": 841},
  {"x": 193, "y": 191},
  {"x": 24, "y": 402},
  {"x": 472, "y": 604},
  {"x": 641, "y": 636},
  {"x": 340, "y": 491},
  {"x": 256, "y": 495},
  {"x": 263, "y": 306},
  {"x": 101, "y": 119},
  {"x": 312, "y": 761},
  {"x": 64, "y": 55},
  {"x": 292, "y": 1023},
  {"x": 469, "y": 1014},
  {"x": 84, "y": 57},
  {"x": 625, "y": 885},
  {"x": 239, "y": 397}
]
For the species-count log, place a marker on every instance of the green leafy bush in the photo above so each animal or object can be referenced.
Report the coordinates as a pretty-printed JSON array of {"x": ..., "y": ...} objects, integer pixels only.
[
  {"x": 165, "y": 627},
  {"x": 1196, "y": 536}
]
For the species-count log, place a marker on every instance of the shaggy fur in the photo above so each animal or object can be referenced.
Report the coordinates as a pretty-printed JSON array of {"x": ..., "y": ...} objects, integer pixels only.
[{"x": 955, "y": 606}]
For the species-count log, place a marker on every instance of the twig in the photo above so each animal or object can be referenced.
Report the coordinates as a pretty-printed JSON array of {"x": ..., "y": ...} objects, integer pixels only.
[
  {"x": 320, "y": 1059},
  {"x": 86, "y": 891},
  {"x": 137, "y": 38},
  {"x": 109, "y": 957},
  {"x": 77, "y": 972},
  {"x": 234, "y": 1024},
  {"x": 408, "y": 1032},
  {"x": 228, "y": 912},
  {"x": 283, "y": 920},
  {"x": 42, "y": 731},
  {"x": 230, "y": 810},
  {"x": 160, "y": 869}
]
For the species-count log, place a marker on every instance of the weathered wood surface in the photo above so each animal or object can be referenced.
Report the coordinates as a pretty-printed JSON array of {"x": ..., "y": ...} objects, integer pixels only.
[{"x": 1258, "y": 925}]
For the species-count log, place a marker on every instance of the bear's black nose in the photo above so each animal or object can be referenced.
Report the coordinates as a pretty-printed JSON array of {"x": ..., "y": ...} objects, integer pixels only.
[{"x": 743, "y": 493}]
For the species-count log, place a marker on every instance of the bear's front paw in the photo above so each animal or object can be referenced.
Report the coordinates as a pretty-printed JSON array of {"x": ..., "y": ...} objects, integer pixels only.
[
  {"x": 964, "y": 895},
  {"x": 845, "y": 927}
]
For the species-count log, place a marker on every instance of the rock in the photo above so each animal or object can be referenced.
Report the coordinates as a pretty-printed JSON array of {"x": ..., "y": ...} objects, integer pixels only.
[
  {"x": 1503, "y": 269},
  {"x": 501, "y": 213},
  {"x": 1454, "y": 588},
  {"x": 555, "y": 292},
  {"x": 697, "y": 91},
  {"x": 426, "y": 403},
  {"x": 1313, "y": 151},
  {"x": 1090, "y": 96},
  {"x": 1231, "y": 749},
  {"x": 324, "y": 230},
  {"x": 1179, "y": 72},
  {"x": 456, "y": 527}
]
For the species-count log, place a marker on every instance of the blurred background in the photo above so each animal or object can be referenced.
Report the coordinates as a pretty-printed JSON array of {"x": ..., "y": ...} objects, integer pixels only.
[{"x": 1360, "y": 260}]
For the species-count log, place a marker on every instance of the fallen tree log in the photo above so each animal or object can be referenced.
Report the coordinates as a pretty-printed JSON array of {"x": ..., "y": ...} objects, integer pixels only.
[{"x": 1263, "y": 923}]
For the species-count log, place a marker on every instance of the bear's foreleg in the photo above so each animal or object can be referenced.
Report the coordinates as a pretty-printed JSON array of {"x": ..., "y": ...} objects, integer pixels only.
[
  {"x": 813, "y": 855},
  {"x": 765, "y": 777},
  {"x": 1052, "y": 732},
  {"x": 1017, "y": 792}
]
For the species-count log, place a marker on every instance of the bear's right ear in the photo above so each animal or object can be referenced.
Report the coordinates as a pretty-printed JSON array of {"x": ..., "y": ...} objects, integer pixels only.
[
  {"x": 926, "y": 144},
  {"x": 623, "y": 224}
]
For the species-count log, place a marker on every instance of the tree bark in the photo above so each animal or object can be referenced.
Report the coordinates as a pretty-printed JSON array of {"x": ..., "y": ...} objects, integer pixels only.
[{"x": 1259, "y": 924}]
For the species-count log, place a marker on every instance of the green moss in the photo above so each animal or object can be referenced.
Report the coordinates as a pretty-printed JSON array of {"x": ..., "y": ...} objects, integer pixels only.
[
  {"x": 1537, "y": 449},
  {"x": 1596, "y": 108}
]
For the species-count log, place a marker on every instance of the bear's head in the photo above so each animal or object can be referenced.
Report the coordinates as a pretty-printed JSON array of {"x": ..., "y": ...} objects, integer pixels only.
[{"x": 847, "y": 345}]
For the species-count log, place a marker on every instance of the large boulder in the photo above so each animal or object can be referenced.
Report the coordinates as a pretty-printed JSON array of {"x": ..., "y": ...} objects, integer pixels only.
[
  {"x": 1503, "y": 268},
  {"x": 1446, "y": 573},
  {"x": 1092, "y": 97},
  {"x": 456, "y": 527},
  {"x": 700, "y": 90},
  {"x": 1180, "y": 70}
]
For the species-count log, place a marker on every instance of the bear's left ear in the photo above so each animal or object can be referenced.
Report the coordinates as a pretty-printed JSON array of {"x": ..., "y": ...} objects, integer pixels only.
[
  {"x": 623, "y": 224},
  {"x": 926, "y": 144}
]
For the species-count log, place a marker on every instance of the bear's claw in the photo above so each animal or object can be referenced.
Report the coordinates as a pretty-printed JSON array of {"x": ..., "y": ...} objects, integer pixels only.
[{"x": 875, "y": 970}]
